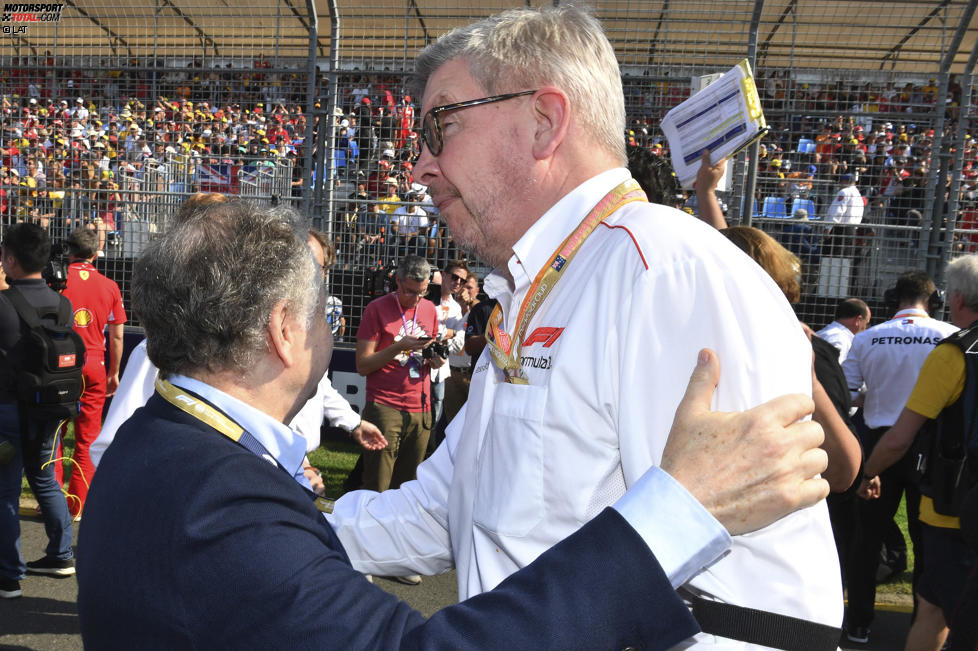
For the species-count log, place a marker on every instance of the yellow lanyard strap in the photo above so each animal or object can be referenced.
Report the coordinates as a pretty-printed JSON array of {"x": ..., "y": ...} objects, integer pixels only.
[
  {"x": 215, "y": 419},
  {"x": 505, "y": 350}
]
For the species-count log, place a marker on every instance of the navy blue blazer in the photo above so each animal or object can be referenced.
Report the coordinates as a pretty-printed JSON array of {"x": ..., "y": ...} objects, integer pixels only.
[{"x": 190, "y": 541}]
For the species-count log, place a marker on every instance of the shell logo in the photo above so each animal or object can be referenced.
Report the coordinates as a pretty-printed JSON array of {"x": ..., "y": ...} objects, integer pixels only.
[
  {"x": 83, "y": 318},
  {"x": 83, "y": 275}
]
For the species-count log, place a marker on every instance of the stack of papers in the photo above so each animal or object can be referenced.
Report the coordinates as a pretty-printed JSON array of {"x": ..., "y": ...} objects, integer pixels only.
[{"x": 723, "y": 118}]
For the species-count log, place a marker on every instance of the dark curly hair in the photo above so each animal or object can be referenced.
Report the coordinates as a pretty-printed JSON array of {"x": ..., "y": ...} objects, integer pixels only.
[{"x": 656, "y": 176}]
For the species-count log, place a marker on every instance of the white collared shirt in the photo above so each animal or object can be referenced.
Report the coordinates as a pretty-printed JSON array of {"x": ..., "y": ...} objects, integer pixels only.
[
  {"x": 839, "y": 336},
  {"x": 524, "y": 466},
  {"x": 848, "y": 206},
  {"x": 449, "y": 312},
  {"x": 136, "y": 386},
  {"x": 284, "y": 446},
  {"x": 887, "y": 358}
]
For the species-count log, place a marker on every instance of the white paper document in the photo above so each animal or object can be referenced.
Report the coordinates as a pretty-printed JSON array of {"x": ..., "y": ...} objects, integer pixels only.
[{"x": 723, "y": 118}]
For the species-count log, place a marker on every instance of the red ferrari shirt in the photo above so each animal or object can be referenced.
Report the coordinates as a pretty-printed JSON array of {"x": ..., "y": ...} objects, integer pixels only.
[{"x": 97, "y": 302}]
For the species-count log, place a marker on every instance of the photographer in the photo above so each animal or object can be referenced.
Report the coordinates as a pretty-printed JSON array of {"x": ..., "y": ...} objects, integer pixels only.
[{"x": 395, "y": 332}]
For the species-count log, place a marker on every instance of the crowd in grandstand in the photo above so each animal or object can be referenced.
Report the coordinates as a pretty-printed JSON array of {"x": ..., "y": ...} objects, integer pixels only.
[{"x": 85, "y": 147}]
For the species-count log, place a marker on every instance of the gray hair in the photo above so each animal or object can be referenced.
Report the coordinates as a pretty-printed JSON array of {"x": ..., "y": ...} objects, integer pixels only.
[
  {"x": 523, "y": 49},
  {"x": 205, "y": 289},
  {"x": 413, "y": 267},
  {"x": 962, "y": 278}
]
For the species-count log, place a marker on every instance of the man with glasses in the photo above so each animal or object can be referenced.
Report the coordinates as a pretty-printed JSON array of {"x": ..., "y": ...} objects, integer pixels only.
[
  {"x": 449, "y": 317},
  {"x": 604, "y": 301},
  {"x": 393, "y": 332}
]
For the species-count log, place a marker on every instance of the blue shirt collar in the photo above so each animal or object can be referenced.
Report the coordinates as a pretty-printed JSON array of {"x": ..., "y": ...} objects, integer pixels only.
[{"x": 285, "y": 446}]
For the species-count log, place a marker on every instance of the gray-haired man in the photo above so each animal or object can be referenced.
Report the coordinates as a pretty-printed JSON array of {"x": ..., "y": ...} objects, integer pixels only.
[{"x": 394, "y": 332}]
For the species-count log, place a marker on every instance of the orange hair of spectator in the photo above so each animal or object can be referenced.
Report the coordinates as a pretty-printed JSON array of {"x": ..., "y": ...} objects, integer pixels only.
[
  {"x": 782, "y": 265},
  {"x": 197, "y": 202}
]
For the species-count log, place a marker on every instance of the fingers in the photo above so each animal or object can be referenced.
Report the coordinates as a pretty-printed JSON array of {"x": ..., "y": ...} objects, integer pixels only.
[
  {"x": 702, "y": 384},
  {"x": 787, "y": 408},
  {"x": 806, "y": 434},
  {"x": 813, "y": 462},
  {"x": 811, "y": 492}
]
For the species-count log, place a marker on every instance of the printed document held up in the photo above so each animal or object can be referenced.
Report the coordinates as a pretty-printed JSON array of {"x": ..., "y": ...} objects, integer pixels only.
[{"x": 724, "y": 118}]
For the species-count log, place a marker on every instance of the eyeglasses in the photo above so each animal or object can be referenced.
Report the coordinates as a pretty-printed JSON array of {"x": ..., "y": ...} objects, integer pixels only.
[
  {"x": 458, "y": 279},
  {"x": 431, "y": 125}
]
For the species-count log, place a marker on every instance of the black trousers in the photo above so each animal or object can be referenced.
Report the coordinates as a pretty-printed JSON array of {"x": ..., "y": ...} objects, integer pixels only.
[{"x": 873, "y": 519}]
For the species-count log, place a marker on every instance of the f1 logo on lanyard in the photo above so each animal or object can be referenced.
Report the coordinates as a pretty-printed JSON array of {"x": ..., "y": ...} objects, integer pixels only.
[{"x": 505, "y": 349}]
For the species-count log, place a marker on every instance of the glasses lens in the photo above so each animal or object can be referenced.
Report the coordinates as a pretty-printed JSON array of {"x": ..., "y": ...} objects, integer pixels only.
[{"x": 429, "y": 132}]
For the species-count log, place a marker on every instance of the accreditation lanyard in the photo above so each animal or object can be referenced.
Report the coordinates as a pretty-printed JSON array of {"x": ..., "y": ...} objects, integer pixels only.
[
  {"x": 414, "y": 365},
  {"x": 193, "y": 406},
  {"x": 505, "y": 349}
]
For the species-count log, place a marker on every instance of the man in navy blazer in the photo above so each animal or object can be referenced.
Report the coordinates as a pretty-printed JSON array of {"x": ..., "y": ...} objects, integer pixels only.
[{"x": 200, "y": 530}]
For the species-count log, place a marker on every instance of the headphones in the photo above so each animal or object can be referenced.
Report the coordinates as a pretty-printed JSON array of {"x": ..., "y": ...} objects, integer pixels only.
[{"x": 935, "y": 302}]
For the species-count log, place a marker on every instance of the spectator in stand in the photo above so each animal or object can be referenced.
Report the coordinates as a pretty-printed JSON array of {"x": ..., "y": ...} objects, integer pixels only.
[
  {"x": 98, "y": 305},
  {"x": 846, "y": 211},
  {"x": 852, "y": 316},
  {"x": 797, "y": 236},
  {"x": 389, "y": 201},
  {"x": 409, "y": 222}
]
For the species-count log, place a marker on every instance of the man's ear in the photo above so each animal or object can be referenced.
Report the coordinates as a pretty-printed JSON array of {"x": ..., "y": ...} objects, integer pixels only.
[
  {"x": 282, "y": 334},
  {"x": 551, "y": 108}
]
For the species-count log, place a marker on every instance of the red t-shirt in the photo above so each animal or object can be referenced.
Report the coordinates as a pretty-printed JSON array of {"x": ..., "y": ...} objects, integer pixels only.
[
  {"x": 96, "y": 301},
  {"x": 383, "y": 322}
]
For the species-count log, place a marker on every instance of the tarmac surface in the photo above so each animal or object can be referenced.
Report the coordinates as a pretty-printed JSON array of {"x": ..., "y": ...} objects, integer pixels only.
[{"x": 46, "y": 618}]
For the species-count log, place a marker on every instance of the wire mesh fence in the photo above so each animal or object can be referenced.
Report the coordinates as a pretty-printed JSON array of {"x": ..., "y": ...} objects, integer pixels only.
[{"x": 113, "y": 114}]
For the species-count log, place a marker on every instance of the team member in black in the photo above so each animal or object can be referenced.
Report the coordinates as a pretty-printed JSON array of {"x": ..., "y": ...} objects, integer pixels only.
[
  {"x": 24, "y": 253},
  {"x": 887, "y": 358}
]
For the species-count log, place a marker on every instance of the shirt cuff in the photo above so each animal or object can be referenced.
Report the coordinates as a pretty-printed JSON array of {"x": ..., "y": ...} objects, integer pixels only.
[
  {"x": 682, "y": 535},
  {"x": 348, "y": 421}
]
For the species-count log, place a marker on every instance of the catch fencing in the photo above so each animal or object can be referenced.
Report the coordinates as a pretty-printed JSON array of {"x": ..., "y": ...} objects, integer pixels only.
[{"x": 266, "y": 100}]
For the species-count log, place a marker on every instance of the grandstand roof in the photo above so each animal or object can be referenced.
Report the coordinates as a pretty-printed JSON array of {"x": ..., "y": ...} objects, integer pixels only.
[{"x": 904, "y": 36}]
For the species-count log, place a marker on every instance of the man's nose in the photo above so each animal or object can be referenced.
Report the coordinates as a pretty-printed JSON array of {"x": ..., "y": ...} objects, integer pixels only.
[{"x": 426, "y": 167}]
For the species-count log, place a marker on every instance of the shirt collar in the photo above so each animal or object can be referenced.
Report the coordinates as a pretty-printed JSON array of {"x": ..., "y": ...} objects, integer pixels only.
[
  {"x": 26, "y": 281},
  {"x": 286, "y": 446},
  {"x": 910, "y": 311},
  {"x": 534, "y": 248}
]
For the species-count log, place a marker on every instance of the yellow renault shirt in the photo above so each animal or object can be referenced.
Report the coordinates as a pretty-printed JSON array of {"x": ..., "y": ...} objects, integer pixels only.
[{"x": 939, "y": 385}]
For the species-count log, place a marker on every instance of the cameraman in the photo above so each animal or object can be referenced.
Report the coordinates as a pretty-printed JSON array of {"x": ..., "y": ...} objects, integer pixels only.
[
  {"x": 394, "y": 332},
  {"x": 25, "y": 443}
]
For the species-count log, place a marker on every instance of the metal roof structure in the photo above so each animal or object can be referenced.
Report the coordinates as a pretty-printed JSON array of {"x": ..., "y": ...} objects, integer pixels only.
[{"x": 908, "y": 36}]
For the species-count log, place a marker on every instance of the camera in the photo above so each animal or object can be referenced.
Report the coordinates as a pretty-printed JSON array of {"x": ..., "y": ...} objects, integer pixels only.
[
  {"x": 55, "y": 272},
  {"x": 436, "y": 348}
]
